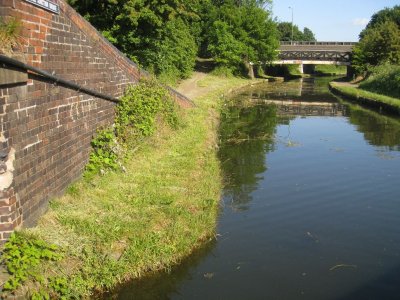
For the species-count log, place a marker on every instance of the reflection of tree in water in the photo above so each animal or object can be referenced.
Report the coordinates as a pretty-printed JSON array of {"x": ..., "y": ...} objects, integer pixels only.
[
  {"x": 163, "y": 285},
  {"x": 247, "y": 133},
  {"x": 378, "y": 130},
  {"x": 306, "y": 90}
]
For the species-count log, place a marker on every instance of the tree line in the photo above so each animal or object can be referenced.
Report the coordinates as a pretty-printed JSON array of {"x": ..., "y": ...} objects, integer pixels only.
[
  {"x": 166, "y": 36},
  {"x": 379, "y": 42},
  {"x": 376, "y": 58}
]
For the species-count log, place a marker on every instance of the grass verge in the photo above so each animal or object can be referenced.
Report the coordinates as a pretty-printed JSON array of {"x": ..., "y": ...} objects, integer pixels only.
[
  {"x": 386, "y": 103},
  {"x": 122, "y": 226},
  {"x": 330, "y": 70}
]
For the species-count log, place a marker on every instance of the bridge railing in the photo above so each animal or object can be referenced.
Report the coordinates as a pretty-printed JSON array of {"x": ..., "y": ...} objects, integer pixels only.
[
  {"x": 338, "y": 56},
  {"x": 307, "y": 43}
]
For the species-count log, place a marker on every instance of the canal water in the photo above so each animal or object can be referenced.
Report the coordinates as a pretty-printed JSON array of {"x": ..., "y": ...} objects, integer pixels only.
[{"x": 311, "y": 206}]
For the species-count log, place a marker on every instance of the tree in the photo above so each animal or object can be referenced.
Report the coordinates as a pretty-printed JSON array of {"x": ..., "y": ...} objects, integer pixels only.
[
  {"x": 308, "y": 35},
  {"x": 285, "y": 32},
  {"x": 165, "y": 36},
  {"x": 379, "y": 42},
  {"x": 223, "y": 46},
  {"x": 155, "y": 33},
  {"x": 392, "y": 14},
  {"x": 239, "y": 32}
]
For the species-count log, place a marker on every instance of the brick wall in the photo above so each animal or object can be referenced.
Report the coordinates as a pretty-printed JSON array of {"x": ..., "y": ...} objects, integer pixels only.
[{"x": 46, "y": 129}]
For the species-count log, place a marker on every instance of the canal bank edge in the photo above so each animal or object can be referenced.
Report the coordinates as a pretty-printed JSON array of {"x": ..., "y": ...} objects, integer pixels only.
[
  {"x": 120, "y": 227},
  {"x": 377, "y": 101}
]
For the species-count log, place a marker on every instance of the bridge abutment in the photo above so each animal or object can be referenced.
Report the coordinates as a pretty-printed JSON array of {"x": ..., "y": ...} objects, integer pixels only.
[{"x": 301, "y": 68}]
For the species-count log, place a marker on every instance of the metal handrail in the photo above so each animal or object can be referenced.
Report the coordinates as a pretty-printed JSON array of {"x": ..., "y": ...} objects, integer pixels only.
[{"x": 55, "y": 79}]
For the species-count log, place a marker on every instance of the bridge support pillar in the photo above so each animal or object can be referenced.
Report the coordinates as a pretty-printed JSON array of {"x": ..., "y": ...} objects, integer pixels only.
[{"x": 301, "y": 68}]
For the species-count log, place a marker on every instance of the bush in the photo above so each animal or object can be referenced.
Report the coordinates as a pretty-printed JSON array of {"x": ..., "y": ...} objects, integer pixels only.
[
  {"x": 222, "y": 71},
  {"x": 385, "y": 80},
  {"x": 137, "y": 116}
]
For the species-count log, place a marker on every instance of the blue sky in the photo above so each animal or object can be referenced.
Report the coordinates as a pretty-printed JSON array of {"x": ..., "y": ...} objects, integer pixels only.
[{"x": 330, "y": 20}]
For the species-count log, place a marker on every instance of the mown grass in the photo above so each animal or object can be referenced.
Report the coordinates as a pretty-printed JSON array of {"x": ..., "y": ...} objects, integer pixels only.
[
  {"x": 330, "y": 70},
  {"x": 366, "y": 97},
  {"x": 293, "y": 71},
  {"x": 123, "y": 225}
]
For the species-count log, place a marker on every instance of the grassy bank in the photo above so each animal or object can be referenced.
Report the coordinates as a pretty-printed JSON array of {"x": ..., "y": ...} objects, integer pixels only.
[
  {"x": 120, "y": 226},
  {"x": 330, "y": 70},
  {"x": 354, "y": 93},
  {"x": 385, "y": 80}
]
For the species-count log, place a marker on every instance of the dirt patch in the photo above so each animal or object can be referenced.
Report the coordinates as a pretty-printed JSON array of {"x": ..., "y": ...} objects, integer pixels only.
[{"x": 190, "y": 87}]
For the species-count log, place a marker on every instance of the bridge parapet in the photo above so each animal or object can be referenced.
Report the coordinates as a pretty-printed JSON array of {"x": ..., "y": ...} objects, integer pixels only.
[
  {"x": 337, "y": 56},
  {"x": 318, "y": 43},
  {"x": 317, "y": 46}
]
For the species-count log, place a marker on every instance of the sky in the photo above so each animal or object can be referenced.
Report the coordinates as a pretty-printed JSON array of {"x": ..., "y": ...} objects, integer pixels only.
[{"x": 330, "y": 20}]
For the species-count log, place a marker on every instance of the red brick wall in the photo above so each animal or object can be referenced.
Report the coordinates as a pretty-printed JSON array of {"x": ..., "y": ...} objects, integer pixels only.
[{"x": 47, "y": 126}]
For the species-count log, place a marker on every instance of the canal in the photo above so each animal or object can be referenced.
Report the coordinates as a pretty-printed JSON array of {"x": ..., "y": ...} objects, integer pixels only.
[{"x": 311, "y": 206}]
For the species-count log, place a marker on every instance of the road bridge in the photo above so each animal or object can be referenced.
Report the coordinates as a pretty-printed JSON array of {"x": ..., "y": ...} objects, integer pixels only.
[{"x": 315, "y": 53}]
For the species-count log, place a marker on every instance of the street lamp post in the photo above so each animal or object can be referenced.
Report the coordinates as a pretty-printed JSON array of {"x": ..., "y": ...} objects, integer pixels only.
[{"x": 291, "y": 40}]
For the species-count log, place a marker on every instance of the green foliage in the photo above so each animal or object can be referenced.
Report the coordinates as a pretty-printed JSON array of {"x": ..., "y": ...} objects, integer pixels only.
[
  {"x": 166, "y": 36},
  {"x": 136, "y": 117},
  {"x": 106, "y": 152},
  {"x": 223, "y": 46},
  {"x": 41, "y": 294},
  {"x": 329, "y": 70},
  {"x": 308, "y": 35},
  {"x": 175, "y": 53},
  {"x": 9, "y": 34},
  {"x": 160, "y": 35},
  {"x": 367, "y": 97},
  {"x": 59, "y": 285},
  {"x": 139, "y": 108},
  {"x": 382, "y": 16},
  {"x": 285, "y": 33},
  {"x": 238, "y": 32},
  {"x": 380, "y": 41},
  {"x": 385, "y": 80},
  {"x": 222, "y": 71},
  {"x": 22, "y": 256}
]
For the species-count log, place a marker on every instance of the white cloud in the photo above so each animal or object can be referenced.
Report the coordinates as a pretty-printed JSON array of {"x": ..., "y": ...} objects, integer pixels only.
[{"x": 360, "y": 21}]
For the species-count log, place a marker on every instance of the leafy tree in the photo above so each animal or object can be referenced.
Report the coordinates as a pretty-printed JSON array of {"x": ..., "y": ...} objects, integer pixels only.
[
  {"x": 285, "y": 32},
  {"x": 165, "y": 36},
  {"x": 239, "y": 32},
  {"x": 155, "y": 33},
  {"x": 392, "y": 14},
  {"x": 308, "y": 35},
  {"x": 223, "y": 46},
  {"x": 379, "y": 41}
]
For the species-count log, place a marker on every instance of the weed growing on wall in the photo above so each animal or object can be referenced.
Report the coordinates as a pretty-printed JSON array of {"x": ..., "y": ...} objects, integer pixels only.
[
  {"x": 23, "y": 256},
  {"x": 9, "y": 34},
  {"x": 142, "y": 108}
]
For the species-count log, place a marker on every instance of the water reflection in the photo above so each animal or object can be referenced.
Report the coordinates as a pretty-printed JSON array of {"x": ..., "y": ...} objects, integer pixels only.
[
  {"x": 306, "y": 90},
  {"x": 164, "y": 285},
  {"x": 254, "y": 129},
  {"x": 378, "y": 129}
]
